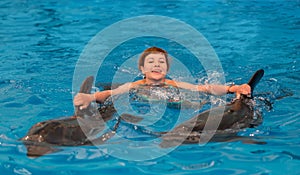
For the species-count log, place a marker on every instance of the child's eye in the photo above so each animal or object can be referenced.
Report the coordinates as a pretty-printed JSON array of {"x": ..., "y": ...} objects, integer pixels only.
[
  {"x": 150, "y": 60},
  {"x": 162, "y": 61}
]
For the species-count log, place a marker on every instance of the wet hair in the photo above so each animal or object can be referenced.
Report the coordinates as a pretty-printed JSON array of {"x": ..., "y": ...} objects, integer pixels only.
[{"x": 153, "y": 50}]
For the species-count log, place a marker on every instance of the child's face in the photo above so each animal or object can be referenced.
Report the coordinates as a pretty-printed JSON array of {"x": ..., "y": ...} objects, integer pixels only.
[{"x": 155, "y": 66}]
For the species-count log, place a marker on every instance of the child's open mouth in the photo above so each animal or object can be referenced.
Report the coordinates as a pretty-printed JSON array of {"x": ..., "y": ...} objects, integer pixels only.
[{"x": 156, "y": 71}]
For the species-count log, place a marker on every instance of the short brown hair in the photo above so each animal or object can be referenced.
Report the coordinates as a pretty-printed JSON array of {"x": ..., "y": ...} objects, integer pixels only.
[{"x": 152, "y": 50}]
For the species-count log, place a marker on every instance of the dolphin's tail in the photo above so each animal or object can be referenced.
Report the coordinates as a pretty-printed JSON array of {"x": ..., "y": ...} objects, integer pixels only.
[{"x": 255, "y": 79}]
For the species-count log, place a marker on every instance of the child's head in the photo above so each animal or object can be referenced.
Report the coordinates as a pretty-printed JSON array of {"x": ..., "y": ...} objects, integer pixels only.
[{"x": 150, "y": 51}]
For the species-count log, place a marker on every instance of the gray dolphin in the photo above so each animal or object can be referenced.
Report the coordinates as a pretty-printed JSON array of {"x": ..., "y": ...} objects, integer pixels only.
[
  {"x": 80, "y": 129},
  {"x": 236, "y": 115}
]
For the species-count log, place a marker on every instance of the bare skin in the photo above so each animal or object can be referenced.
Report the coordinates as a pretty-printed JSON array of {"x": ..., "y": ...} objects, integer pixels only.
[{"x": 155, "y": 69}]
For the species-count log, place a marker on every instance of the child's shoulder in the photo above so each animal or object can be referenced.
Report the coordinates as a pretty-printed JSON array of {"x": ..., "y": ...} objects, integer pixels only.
[
  {"x": 171, "y": 82},
  {"x": 138, "y": 82},
  {"x": 143, "y": 82}
]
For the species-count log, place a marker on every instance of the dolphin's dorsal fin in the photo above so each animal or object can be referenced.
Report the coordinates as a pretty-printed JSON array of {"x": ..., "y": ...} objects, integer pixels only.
[
  {"x": 87, "y": 85},
  {"x": 255, "y": 79},
  {"x": 86, "y": 88}
]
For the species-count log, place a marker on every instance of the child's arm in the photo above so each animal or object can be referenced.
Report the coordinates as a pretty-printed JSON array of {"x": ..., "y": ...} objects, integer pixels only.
[
  {"x": 83, "y": 100},
  {"x": 216, "y": 89}
]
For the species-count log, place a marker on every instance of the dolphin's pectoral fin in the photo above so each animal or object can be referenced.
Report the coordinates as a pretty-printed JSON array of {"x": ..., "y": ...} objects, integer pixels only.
[
  {"x": 252, "y": 141},
  {"x": 35, "y": 150},
  {"x": 171, "y": 139},
  {"x": 106, "y": 136},
  {"x": 131, "y": 118}
]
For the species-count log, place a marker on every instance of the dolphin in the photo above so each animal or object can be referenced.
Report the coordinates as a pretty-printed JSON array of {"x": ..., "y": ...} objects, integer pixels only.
[
  {"x": 80, "y": 129},
  {"x": 232, "y": 118},
  {"x": 85, "y": 125}
]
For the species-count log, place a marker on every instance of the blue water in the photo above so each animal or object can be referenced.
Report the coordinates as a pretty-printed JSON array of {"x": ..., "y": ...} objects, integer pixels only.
[{"x": 41, "y": 42}]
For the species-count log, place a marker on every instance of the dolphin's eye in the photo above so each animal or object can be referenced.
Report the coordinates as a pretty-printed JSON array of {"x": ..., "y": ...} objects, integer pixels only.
[{"x": 230, "y": 110}]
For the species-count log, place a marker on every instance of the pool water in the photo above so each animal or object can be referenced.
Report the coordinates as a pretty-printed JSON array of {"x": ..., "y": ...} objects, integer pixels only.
[{"x": 41, "y": 42}]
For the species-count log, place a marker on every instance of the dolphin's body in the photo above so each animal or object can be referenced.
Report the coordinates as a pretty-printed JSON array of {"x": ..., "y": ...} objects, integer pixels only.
[
  {"x": 79, "y": 129},
  {"x": 235, "y": 116}
]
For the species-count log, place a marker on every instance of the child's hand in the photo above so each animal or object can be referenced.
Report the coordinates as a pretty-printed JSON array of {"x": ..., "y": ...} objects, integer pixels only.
[
  {"x": 244, "y": 89},
  {"x": 83, "y": 100}
]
